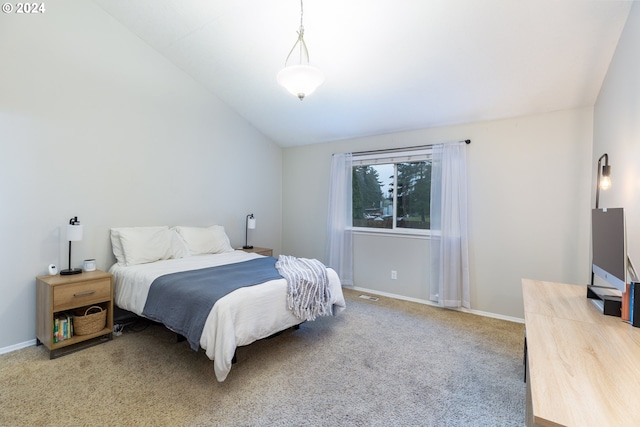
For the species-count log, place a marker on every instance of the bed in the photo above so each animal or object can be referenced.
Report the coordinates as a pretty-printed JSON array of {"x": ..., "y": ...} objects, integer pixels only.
[{"x": 242, "y": 316}]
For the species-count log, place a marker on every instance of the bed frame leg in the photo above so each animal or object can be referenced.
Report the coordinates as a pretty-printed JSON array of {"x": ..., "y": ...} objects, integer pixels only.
[
  {"x": 235, "y": 357},
  {"x": 296, "y": 327},
  {"x": 180, "y": 338}
]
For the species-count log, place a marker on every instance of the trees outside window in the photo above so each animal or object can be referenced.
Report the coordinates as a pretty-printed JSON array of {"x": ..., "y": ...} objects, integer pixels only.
[{"x": 392, "y": 196}]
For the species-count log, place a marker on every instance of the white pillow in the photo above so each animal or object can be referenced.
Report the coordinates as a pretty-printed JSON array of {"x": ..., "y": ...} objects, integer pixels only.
[
  {"x": 178, "y": 248},
  {"x": 116, "y": 246},
  {"x": 145, "y": 244},
  {"x": 205, "y": 240}
]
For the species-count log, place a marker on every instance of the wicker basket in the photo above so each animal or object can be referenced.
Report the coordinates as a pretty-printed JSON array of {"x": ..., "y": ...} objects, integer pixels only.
[{"x": 89, "y": 323}]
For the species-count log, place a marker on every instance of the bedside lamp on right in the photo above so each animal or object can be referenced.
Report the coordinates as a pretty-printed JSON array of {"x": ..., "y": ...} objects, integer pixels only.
[{"x": 250, "y": 225}]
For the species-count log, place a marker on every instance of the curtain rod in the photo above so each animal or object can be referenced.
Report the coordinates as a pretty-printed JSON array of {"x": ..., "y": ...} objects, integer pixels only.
[{"x": 391, "y": 150}]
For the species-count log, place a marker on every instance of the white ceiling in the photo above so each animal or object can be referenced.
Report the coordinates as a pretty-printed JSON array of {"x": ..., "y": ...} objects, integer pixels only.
[{"x": 389, "y": 65}]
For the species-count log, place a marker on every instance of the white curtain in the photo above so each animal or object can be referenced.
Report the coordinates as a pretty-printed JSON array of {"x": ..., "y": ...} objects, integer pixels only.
[
  {"x": 339, "y": 250},
  {"x": 449, "y": 238}
]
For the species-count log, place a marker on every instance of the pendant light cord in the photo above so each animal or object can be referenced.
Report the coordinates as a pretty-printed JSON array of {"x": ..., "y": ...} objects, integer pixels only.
[
  {"x": 301, "y": 13},
  {"x": 300, "y": 42}
]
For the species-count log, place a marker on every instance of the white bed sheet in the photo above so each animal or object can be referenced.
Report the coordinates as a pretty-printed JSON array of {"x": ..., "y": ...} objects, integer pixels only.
[{"x": 239, "y": 318}]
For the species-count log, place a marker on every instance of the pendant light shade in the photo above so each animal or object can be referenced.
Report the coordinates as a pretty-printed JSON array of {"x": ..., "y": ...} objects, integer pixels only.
[{"x": 300, "y": 78}]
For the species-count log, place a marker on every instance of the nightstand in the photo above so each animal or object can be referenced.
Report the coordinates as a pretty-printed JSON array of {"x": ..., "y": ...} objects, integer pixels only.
[
  {"x": 56, "y": 295},
  {"x": 257, "y": 250}
]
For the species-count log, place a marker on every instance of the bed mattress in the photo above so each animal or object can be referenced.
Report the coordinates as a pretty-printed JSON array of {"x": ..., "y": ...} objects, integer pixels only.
[{"x": 239, "y": 318}]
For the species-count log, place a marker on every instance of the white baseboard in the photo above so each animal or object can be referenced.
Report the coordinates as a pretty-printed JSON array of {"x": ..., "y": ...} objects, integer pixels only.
[
  {"x": 431, "y": 303},
  {"x": 29, "y": 343},
  {"x": 18, "y": 346}
]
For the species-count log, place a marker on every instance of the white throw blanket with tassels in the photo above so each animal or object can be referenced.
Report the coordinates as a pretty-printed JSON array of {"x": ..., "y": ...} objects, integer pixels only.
[{"x": 308, "y": 293}]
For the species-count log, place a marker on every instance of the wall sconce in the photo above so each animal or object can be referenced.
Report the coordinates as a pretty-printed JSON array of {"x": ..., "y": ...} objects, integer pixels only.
[
  {"x": 74, "y": 234},
  {"x": 604, "y": 181},
  {"x": 250, "y": 225}
]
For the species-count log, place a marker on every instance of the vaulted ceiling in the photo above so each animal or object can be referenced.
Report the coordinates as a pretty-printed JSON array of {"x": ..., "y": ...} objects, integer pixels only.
[{"x": 389, "y": 65}]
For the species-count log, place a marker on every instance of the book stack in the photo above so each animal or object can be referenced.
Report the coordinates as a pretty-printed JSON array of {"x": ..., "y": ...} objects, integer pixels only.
[{"x": 62, "y": 327}]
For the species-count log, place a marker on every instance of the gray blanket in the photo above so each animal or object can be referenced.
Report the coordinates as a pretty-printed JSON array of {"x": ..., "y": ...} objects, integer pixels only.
[
  {"x": 182, "y": 301},
  {"x": 308, "y": 292}
]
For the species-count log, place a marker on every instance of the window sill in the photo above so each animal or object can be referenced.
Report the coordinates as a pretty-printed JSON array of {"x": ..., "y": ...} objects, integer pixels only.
[{"x": 385, "y": 232}]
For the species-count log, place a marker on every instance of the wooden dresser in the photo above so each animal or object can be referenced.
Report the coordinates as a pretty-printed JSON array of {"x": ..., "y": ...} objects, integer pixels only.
[{"x": 583, "y": 368}]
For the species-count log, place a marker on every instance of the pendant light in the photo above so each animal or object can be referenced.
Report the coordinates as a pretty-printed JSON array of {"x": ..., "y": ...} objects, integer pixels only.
[{"x": 300, "y": 78}]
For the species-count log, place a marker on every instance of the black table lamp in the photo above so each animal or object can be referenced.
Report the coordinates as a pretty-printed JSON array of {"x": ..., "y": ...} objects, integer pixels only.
[
  {"x": 74, "y": 234},
  {"x": 251, "y": 224}
]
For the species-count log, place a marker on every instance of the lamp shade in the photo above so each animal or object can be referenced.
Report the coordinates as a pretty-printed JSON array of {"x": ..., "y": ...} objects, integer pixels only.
[
  {"x": 300, "y": 80},
  {"x": 251, "y": 223},
  {"x": 605, "y": 184},
  {"x": 74, "y": 232}
]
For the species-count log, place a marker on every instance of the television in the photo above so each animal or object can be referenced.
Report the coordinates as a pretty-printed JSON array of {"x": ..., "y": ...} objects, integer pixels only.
[{"x": 609, "y": 246}]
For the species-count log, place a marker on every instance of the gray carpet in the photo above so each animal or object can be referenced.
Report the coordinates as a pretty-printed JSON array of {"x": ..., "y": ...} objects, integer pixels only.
[{"x": 385, "y": 363}]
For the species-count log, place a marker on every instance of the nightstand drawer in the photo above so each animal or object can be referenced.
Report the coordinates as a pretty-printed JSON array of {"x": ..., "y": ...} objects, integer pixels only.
[{"x": 83, "y": 293}]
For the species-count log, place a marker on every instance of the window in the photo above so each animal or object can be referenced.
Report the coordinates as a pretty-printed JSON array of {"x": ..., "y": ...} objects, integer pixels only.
[{"x": 392, "y": 191}]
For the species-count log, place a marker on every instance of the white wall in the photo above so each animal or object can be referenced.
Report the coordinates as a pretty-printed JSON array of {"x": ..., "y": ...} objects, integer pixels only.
[
  {"x": 617, "y": 131},
  {"x": 95, "y": 123},
  {"x": 529, "y": 186}
]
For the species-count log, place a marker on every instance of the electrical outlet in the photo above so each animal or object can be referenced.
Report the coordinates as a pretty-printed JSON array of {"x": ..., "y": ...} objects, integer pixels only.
[{"x": 394, "y": 274}]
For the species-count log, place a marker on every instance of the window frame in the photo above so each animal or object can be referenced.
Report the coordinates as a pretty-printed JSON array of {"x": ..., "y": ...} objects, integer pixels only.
[{"x": 394, "y": 157}]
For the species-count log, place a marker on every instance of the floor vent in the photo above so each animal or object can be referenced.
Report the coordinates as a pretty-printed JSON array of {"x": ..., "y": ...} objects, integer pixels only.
[{"x": 369, "y": 297}]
